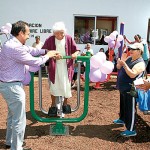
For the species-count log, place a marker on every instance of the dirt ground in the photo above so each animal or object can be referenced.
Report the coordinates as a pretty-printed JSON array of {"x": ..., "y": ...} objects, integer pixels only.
[{"x": 95, "y": 132}]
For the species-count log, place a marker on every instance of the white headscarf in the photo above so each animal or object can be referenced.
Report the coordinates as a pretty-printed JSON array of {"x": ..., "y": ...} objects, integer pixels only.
[{"x": 59, "y": 26}]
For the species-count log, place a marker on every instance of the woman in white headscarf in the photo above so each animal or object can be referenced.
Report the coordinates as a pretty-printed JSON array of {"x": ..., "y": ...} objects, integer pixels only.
[{"x": 61, "y": 70}]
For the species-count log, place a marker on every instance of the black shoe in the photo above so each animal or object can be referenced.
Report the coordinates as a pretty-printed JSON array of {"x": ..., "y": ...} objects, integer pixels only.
[
  {"x": 52, "y": 112},
  {"x": 146, "y": 112},
  {"x": 66, "y": 109},
  {"x": 8, "y": 146}
]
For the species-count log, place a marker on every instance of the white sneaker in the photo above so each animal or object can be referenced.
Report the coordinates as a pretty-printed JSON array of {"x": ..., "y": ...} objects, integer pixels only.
[{"x": 146, "y": 112}]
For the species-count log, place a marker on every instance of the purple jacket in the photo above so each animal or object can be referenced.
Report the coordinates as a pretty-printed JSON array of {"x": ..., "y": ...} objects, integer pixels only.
[{"x": 70, "y": 48}]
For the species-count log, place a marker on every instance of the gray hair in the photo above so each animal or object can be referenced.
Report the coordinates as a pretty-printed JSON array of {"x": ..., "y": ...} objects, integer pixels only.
[{"x": 59, "y": 26}]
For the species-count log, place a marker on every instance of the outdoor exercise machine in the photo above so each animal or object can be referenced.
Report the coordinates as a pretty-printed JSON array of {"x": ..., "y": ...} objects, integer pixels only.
[
  {"x": 58, "y": 128},
  {"x": 59, "y": 99}
]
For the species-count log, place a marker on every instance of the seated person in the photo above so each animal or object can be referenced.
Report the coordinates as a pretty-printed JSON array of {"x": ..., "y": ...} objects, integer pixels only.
[
  {"x": 102, "y": 41},
  {"x": 74, "y": 79},
  {"x": 110, "y": 55},
  {"x": 87, "y": 49},
  {"x": 37, "y": 44},
  {"x": 101, "y": 50}
]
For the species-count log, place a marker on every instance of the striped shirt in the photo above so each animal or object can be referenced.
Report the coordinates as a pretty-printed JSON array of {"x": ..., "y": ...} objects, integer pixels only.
[{"x": 13, "y": 58}]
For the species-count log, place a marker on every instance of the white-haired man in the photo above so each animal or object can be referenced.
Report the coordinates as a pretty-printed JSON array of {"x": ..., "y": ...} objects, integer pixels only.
[{"x": 60, "y": 70}]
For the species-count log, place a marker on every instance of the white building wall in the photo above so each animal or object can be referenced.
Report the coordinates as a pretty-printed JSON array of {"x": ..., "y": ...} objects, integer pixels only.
[{"x": 135, "y": 14}]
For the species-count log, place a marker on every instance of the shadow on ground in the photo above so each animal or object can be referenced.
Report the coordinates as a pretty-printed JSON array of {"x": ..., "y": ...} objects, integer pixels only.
[{"x": 107, "y": 133}]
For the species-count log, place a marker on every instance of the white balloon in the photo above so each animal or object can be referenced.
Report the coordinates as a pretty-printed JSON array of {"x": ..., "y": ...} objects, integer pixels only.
[
  {"x": 95, "y": 61},
  {"x": 103, "y": 77},
  {"x": 107, "y": 39},
  {"x": 115, "y": 33},
  {"x": 8, "y": 28},
  {"x": 107, "y": 67},
  {"x": 95, "y": 75},
  {"x": 120, "y": 38},
  {"x": 112, "y": 36},
  {"x": 111, "y": 44},
  {"x": 5, "y": 31},
  {"x": 102, "y": 56},
  {"x": 118, "y": 44},
  {"x": 9, "y": 25},
  {"x": 3, "y": 27}
]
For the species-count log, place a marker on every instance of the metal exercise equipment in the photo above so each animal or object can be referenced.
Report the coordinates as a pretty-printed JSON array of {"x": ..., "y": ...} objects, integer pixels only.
[
  {"x": 58, "y": 128},
  {"x": 59, "y": 99}
]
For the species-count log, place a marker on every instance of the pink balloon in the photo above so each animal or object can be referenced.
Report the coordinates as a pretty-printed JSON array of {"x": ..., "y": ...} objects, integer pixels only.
[
  {"x": 95, "y": 61},
  {"x": 3, "y": 27},
  {"x": 102, "y": 56},
  {"x": 103, "y": 77},
  {"x": 107, "y": 39},
  {"x": 115, "y": 33},
  {"x": 27, "y": 78},
  {"x": 107, "y": 67},
  {"x": 120, "y": 38},
  {"x": 8, "y": 26},
  {"x": 95, "y": 75},
  {"x": 118, "y": 44},
  {"x": 5, "y": 31},
  {"x": 112, "y": 36},
  {"x": 111, "y": 44}
]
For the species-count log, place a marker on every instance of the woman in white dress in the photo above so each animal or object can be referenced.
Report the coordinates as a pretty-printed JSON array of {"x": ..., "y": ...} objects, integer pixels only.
[{"x": 61, "y": 70}]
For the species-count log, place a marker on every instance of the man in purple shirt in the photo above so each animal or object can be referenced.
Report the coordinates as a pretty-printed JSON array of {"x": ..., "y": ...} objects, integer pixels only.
[{"x": 14, "y": 56}]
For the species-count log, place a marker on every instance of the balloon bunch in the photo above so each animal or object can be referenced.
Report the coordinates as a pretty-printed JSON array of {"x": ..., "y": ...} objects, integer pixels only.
[
  {"x": 6, "y": 29},
  {"x": 100, "y": 67},
  {"x": 114, "y": 40}
]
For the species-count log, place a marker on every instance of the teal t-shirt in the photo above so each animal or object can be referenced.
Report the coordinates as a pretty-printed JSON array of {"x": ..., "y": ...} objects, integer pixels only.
[{"x": 145, "y": 54}]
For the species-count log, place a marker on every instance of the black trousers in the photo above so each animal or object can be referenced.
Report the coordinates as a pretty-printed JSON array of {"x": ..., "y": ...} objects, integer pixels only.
[{"x": 128, "y": 110}]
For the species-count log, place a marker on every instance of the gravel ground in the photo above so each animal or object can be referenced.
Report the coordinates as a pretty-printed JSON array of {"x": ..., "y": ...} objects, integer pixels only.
[{"x": 95, "y": 132}]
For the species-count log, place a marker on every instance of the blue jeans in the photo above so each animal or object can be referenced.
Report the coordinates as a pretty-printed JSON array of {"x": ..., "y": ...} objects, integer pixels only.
[{"x": 14, "y": 95}]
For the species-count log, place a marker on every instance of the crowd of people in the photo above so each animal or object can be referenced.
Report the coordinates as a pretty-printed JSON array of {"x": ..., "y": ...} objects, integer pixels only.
[{"x": 61, "y": 71}]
